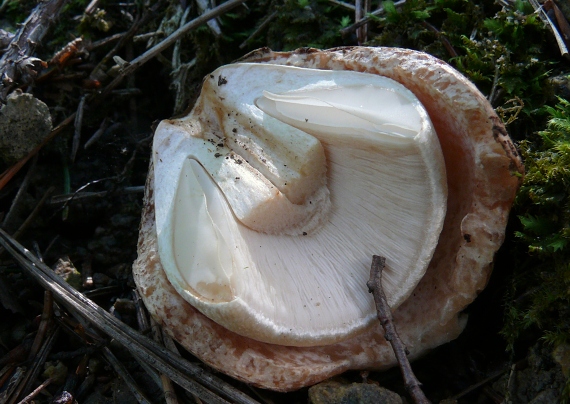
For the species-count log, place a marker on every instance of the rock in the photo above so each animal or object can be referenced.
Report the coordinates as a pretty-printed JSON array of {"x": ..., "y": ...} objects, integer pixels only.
[
  {"x": 540, "y": 381},
  {"x": 333, "y": 392},
  {"x": 24, "y": 122},
  {"x": 547, "y": 396},
  {"x": 561, "y": 355}
]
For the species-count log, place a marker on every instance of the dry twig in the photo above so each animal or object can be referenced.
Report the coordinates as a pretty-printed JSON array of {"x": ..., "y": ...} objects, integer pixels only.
[
  {"x": 365, "y": 20},
  {"x": 264, "y": 24},
  {"x": 539, "y": 9},
  {"x": 442, "y": 38},
  {"x": 361, "y": 9},
  {"x": 125, "y": 375},
  {"x": 412, "y": 384},
  {"x": 17, "y": 66}
]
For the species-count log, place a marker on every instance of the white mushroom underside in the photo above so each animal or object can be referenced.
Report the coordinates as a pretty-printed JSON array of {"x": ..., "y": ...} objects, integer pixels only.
[{"x": 384, "y": 173}]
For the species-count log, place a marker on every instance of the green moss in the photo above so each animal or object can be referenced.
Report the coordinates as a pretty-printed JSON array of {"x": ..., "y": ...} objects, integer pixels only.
[{"x": 540, "y": 293}]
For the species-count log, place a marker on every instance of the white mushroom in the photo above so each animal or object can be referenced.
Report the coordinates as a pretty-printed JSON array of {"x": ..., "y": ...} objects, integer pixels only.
[
  {"x": 274, "y": 193},
  {"x": 227, "y": 305}
]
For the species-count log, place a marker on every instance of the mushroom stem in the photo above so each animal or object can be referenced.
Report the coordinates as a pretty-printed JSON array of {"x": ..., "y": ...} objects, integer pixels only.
[{"x": 413, "y": 385}]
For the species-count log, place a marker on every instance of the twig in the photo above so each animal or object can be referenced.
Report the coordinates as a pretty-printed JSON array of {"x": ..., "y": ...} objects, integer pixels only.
[
  {"x": 448, "y": 46},
  {"x": 203, "y": 6},
  {"x": 99, "y": 132},
  {"x": 511, "y": 384},
  {"x": 539, "y": 9},
  {"x": 34, "y": 213},
  {"x": 33, "y": 371},
  {"x": 142, "y": 319},
  {"x": 360, "y": 10},
  {"x": 367, "y": 19},
  {"x": 77, "y": 133},
  {"x": 477, "y": 385},
  {"x": 104, "y": 41},
  {"x": 264, "y": 24},
  {"x": 91, "y": 7},
  {"x": 139, "y": 22},
  {"x": 343, "y": 4},
  {"x": 129, "y": 68},
  {"x": 493, "y": 93},
  {"x": 15, "y": 380},
  {"x": 21, "y": 191},
  {"x": 412, "y": 384},
  {"x": 358, "y": 15},
  {"x": 31, "y": 217},
  {"x": 169, "y": 393},
  {"x": 44, "y": 324},
  {"x": 124, "y": 374},
  {"x": 177, "y": 45},
  {"x": 559, "y": 19},
  {"x": 16, "y": 355},
  {"x": 37, "y": 390},
  {"x": 177, "y": 368},
  {"x": 17, "y": 65}
]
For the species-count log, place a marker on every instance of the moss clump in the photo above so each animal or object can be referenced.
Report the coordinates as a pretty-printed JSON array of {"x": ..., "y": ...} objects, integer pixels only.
[{"x": 540, "y": 293}]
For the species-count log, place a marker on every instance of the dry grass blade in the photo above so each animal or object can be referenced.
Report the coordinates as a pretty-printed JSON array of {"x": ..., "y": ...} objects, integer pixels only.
[{"x": 175, "y": 367}]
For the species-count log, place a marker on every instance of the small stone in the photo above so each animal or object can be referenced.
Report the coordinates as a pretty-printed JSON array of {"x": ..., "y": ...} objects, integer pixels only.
[
  {"x": 333, "y": 392},
  {"x": 65, "y": 268},
  {"x": 24, "y": 122}
]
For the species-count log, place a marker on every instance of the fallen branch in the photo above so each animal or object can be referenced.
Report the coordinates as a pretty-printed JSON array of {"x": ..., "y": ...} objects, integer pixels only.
[
  {"x": 412, "y": 384},
  {"x": 17, "y": 66}
]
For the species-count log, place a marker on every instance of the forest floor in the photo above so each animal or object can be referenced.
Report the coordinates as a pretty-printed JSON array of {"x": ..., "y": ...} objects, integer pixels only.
[{"x": 103, "y": 74}]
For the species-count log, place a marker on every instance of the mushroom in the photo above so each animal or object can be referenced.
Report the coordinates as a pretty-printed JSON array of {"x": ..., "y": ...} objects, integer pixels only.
[{"x": 266, "y": 203}]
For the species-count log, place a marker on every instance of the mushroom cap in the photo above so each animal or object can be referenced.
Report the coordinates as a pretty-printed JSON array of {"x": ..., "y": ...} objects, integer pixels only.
[{"x": 483, "y": 174}]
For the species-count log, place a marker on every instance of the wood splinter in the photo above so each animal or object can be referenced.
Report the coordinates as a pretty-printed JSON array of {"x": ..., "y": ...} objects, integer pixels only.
[{"x": 413, "y": 385}]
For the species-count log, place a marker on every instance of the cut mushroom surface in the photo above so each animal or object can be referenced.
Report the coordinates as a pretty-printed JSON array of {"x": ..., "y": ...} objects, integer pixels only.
[
  {"x": 274, "y": 192},
  {"x": 483, "y": 171}
]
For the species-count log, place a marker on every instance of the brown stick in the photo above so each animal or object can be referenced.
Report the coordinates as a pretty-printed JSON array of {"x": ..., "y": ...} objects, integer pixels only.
[
  {"x": 412, "y": 384},
  {"x": 16, "y": 65}
]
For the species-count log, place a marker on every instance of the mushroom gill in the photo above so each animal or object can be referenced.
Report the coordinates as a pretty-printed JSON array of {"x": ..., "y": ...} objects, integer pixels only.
[{"x": 198, "y": 166}]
